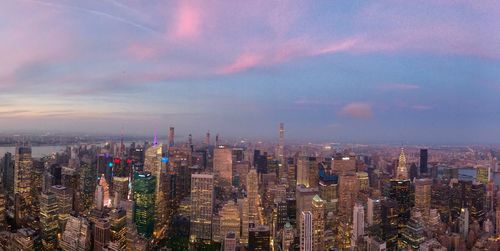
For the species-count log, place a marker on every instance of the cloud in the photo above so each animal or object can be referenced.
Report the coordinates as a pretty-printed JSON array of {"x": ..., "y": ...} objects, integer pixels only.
[
  {"x": 187, "y": 23},
  {"x": 357, "y": 110},
  {"x": 399, "y": 86},
  {"x": 421, "y": 107}
]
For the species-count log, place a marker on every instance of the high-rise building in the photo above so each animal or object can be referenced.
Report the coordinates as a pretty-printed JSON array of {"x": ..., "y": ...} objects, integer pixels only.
[
  {"x": 49, "y": 225},
  {"x": 118, "y": 227},
  {"x": 171, "y": 136},
  {"x": 259, "y": 238},
  {"x": 318, "y": 223},
  {"x": 358, "y": 223},
  {"x": 223, "y": 164},
  {"x": 304, "y": 197},
  {"x": 144, "y": 198},
  {"x": 26, "y": 239},
  {"x": 402, "y": 169},
  {"x": 252, "y": 195},
  {"x": 230, "y": 242},
  {"x": 306, "y": 232},
  {"x": 483, "y": 174},
  {"x": 307, "y": 171},
  {"x": 102, "y": 234},
  {"x": 120, "y": 188},
  {"x": 230, "y": 220},
  {"x": 281, "y": 145},
  {"x": 287, "y": 237},
  {"x": 423, "y": 161},
  {"x": 23, "y": 166},
  {"x": 3, "y": 209},
  {"x": 64, "y": 200},
  {"x": 76, "y": 236},
  {"x": 202, "y": 202},
  {"x": 348, "y": 192},
  {"x": 400, "y": 192},
  {"x": 243, "y": 207},
  {"x": 8, "y": 173},
  {"x": 87, "y": 185},
  {"x": 155, "y": 162},
  {"x": 423, "y": 195},
  {"x": 464, "y": 222},
  {"x": 343, "y": 164},
  {"x": 373, "y": 211}
]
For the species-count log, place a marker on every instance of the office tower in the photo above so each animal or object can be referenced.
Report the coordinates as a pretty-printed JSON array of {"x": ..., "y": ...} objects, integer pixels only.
[
  {"x": 413, "y": 171},
  {"x": 216, "y": 228},
  {"x": 318, "y": 223},
  {"x": 64, "y": 200},
  {"x": 348, "y": 191},
  {"x": 287, "y": 237},
  {"x": 413, "y": 233},
  {"x": 281, "y": 146},
  {"x": 389, "y": 225},
  {"x": 26, "y": 239},
  {"x": 23, "y": 166},
  {"x": 252, "y": 195},
  {"x": 306, "y": 231},
  {"x": 106, "y": 199},
  {"x": 423, "y": 189},
  {"x": 259, "y": 238},
  {"x": 303, "y": 196},
  {"x": 155, "y": 162},
  {"x": 281, "y": 213},
  {"x": 118, "y": 227},
  {"x": 120, "y": 188},
  {"x": 207, "y": 139},
  {"x": 243, "y": 207},
  {"x": 328, "y": 191},
  {"x": 400, "y": 192},
  {"x": 230, "y": 242},
  {"x": 464, "y": 222},
  {"x": 202, "y": 202},
  {"x": 76, "y": 236},
  {"x": 423, "y": 161},
  {"x": 307, "y": 171},
  {"x": 3, "y": 204},
  {"x": 374, "y": 210},
  {"x": 144, "y": 198},
  {"x": 171, "y": 136},
  {"x": 230, "y": 220},
  {"x": 102, "y": 234},
  {"x": 99, "y": 197},
  {"x": 402, "y": 170},
  {"x": 363, "y": 181},
  {"x": 87, "y": 185},
  {"x": 358, "y": 223},
  {"x": 483, "y": 174},
  {"x": 49, "y": 224},
  {"x": 8, "y": 173},
  {"x": 343, "y": 164},
  {"x": 223, "y": 164}
]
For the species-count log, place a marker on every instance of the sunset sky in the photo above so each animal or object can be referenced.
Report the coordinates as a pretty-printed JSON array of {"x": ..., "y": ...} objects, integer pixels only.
[{"x": 362, "y": 71}]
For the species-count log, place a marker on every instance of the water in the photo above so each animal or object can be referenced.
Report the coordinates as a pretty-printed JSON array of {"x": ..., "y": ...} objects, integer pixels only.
[{"x": 37, "y": 151}]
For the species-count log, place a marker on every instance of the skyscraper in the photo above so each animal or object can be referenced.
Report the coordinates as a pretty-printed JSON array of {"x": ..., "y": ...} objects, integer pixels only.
[
  {"x": 307, "y": 171},
  {"x": 318, "y": 223},
  {"x": 8, "y": 173},
  {"x": 358, "y": 223},
  {"x": 252, "y": 194},
  {"x": 423, "y": 161},
  {"x": 230, "y": 220},
  {"x": 23, "y": 166},
  {"x": 464, "y": 222},
  {"x": 259, "y": 238},
  {"x": 202, "y": 201},
  {"x": 402, "y": 170},
  {"x": 306, "y": 234},
  {"x": 281, "y": 145},
  {"x": 423, "y": 195},
  {"x": 171, "y": 136},
  {"x": 144, "y": 198},
  {"x": 118, "y": 227},
  {"x": 64, "y": 200},
  {"x": 76, "y": 236},
  {"x": 102, "y": 234},
  {"x": 49, "y": 225},
  {"x": 223, "y": 164}
]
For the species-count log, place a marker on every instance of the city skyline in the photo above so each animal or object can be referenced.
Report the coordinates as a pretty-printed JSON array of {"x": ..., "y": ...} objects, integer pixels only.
[{"x": 349, "y": 71}]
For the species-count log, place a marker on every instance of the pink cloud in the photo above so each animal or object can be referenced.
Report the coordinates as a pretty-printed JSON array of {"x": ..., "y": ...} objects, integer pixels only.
[
  {"x": 243, "y": 62},
  {"x": 187, "y": 23},
  {"x": 357, "y": 110},
  {"x": 399, "y": 86},
  {"x": 140, "y": 51}
]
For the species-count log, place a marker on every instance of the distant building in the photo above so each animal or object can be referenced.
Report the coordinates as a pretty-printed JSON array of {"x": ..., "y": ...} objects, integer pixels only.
[
  {"x": 144, "y": 198},
  {"x": 202, "y": 202}
]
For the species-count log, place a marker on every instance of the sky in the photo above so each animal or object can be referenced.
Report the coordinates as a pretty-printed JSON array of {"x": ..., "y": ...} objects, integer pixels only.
[{"x": 358, "y": 71}]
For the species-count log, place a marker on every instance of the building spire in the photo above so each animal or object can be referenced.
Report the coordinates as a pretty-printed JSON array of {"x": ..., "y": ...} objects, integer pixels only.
[
  {"x": 402, "y": 171},
  {"x": 155, "y": 140}
]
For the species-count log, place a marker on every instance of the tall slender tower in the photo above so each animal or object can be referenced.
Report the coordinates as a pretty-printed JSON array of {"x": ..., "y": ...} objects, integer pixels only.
[
  {"x": 202, "y": 202},
  {"x": 171, "y": 137},
  {"x": 207, "y": 138},
  {"x": 358, "y": 225},
  {"x": 252, "y": 193},
  {"x": 23, "y": 167},
  {"x": 402, "y": 171},
  {"x": 281, "y": 144}
]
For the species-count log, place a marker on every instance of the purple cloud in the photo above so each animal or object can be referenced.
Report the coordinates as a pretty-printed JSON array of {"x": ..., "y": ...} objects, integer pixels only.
[{"x": 357, "y": 110}]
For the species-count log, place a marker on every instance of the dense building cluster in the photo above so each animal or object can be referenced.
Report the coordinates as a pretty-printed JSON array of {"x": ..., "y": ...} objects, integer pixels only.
[{"x": 248, "y": 196}]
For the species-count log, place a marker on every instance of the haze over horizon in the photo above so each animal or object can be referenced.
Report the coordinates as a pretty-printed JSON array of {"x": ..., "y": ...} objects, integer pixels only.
[{"x": 385, "y": 71}]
